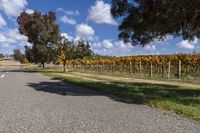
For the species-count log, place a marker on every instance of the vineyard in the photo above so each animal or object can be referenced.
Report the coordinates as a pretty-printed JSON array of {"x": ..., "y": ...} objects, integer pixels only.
[{"x": 176, "y": 66}]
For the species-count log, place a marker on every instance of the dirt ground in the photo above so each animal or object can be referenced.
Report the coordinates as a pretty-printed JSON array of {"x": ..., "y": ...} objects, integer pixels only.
[
  {"x": 100, "y": 78},
  {"x": 9, "y": 63}
]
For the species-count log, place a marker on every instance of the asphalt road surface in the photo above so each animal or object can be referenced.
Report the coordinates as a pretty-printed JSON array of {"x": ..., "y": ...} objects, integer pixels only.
[{"x": 31, "y": 102}]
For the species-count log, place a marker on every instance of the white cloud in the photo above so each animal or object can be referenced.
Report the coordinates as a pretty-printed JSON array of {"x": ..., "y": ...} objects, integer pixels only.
[
  {"x": 162, "y": 41},
  {"x": 14, "y": 34},
  {"x": 10, "y": 39},
  {"x": 74, "y": 13},
  {"x": 113, "y": 48},
  {"x": 84, "y": 31},
  {"x": 186, "y": 44},
  {"x": 2, "y": 21},
  {"x": 122, "y": 45},
  {"x": 155, "y": 46},
  {"x": 70, "y": 38},
  {"x": 12, "y": 7},
  {"x": 67, "y": 20},
  {"x": 2, "y": 38},
  {"x": 95, "y": 44},
  {"x": 107, "y": 43},
  {"x": 29, "y": 11},
  {"x": 5, "y": 45},
  {"x": 150, "y": 47},
  {"x": 100, "y": 13}
]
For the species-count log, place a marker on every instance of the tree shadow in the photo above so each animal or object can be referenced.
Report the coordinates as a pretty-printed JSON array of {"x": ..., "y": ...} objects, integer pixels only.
[
  {"x": 69, "y": 89},
  {"x": 61, "y": 88},
  {"x": 137, "y": 93}
]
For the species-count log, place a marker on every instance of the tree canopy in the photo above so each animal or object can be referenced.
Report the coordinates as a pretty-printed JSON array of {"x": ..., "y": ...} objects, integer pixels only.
[
  {"x": 1, "y": 55},
  {"x": 68, "y": 50},
  {"x": 83, "y": 50},
  {"x": 146, "y": 20},
  {"x": 18, "y": 56},
  {"x": 42, "y": 32}
]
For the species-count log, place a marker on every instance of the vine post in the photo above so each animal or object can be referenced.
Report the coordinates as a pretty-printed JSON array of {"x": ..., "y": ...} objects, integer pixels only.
[
  {"x": 140, "y": 68},
  {"x": 151, "y": 69},
  {"x": 121, "y": 67},
  {"x": 179, "y": 69},
  {"x": 163, "y": 69},
  {"x": 131, "y": 68},
  {"x": 169, "y": 69},
  {"x": 112, "y": 65}
]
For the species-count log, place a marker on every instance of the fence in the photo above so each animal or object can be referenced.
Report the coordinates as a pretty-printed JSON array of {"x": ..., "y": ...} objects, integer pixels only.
[{"x": 168, "y": 70}]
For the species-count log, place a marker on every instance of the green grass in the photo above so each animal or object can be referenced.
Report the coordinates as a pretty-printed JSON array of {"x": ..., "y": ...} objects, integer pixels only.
[{"x": 181, "y": 100}]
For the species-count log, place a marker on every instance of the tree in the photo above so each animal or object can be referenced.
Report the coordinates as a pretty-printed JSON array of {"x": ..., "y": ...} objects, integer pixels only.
[
  {"x": 18, "y": 56},
  {"x": 83, "y": 50},
  {"x": 70, "y": 50},
  {"x": 66, "y": 51},
  {"x": 146, "y": 20},
  {"x": 29, "y": 54},
  {"x": 42, "y": 32},
  {"x": 1, "y": 55}
]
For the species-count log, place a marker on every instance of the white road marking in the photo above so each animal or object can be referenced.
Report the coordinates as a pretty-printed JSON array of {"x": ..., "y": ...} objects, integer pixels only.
[{"x": 3, "y": 76}]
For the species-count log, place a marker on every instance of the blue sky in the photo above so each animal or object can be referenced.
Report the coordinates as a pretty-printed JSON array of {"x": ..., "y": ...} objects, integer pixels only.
[{"x": 82, "y": 19}]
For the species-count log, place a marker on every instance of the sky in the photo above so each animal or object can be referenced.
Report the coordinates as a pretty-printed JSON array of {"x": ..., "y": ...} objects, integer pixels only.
[{"x": 83, "y": 19}]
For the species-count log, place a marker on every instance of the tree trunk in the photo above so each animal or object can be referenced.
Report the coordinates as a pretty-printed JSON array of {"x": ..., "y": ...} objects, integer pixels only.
[
  {"x": 43, "y": 66},
  {"x": 64, "y": 66}
]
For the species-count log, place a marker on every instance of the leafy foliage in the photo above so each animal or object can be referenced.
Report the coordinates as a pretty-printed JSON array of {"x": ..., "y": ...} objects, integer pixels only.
[
  {"x": 1, "y": 55},
  {"x": 83, "y": 50},
  {"x": 43, "y": 32},
  {"x": 146, "y": 20},
  {"x": 18, "y": 56},
  {"x": 69, "y": 50},
  {"x": 187, "y": 59}
]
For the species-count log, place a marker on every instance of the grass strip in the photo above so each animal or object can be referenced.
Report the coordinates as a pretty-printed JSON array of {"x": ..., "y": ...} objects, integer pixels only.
[{"x": 178, "y": 99}]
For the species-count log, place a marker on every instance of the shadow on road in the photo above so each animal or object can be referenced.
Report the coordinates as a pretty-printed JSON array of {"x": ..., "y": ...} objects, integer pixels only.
[
  {"x": 61, "y": 88},
  {"x": 137, "y": 93},
  {"x": 68, "y": 89}
]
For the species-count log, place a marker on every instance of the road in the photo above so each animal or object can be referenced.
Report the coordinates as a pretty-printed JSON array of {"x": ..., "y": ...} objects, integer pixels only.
[{"x": 31, "y": 102}]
